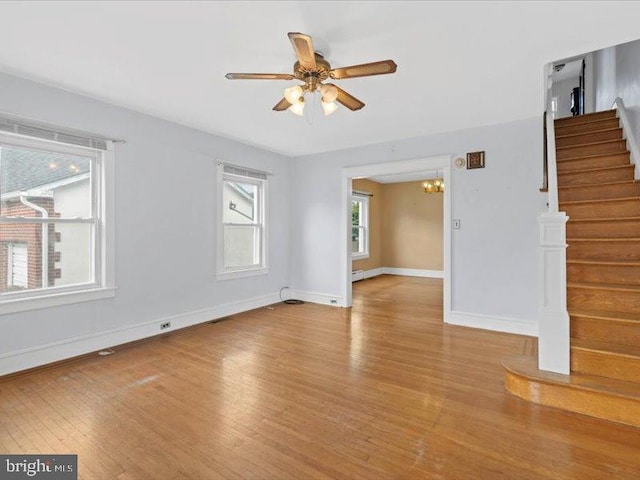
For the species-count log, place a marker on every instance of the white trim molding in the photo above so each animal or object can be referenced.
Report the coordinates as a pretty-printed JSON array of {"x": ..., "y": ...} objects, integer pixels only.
[
  {"x": 494, "y": 323},
  {"x": 413, "y": 272},
  {"x": 553, "y": 318},
  {"x": 374, "y": 272},
  {"x": 319, "y": 298},
  {"x": 406, "y": 272},
  {"x": 31, "y": 357}
]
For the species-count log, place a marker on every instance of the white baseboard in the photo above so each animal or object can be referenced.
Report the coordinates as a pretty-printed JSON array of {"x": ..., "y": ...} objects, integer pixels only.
[
  {"x": 52, "y": 352},
  {"x": 321, "y": 298},
  {"x": 495, "y": 323},
  {"x": 413, "y": 272},
  {"x": 374, "y": 272},
  {"x": 407, "y": 272}
]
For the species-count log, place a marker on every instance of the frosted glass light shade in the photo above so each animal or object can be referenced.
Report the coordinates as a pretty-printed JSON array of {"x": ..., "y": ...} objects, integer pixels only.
[
  {"x": 329, "y": 107},
  {"x": 329, "y": 93},
  {"x": 293, "y": 94},
  {"x": 297, "y": 108}
]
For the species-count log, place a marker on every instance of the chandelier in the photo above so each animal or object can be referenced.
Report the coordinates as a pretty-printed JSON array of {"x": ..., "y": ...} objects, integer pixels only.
[{"x": 433, "y": 186}]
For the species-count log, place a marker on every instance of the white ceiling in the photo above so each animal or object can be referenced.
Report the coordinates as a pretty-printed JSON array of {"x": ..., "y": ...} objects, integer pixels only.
[
  {"x": 460, "y": 64},
  {"x": 570, "y": 70}
]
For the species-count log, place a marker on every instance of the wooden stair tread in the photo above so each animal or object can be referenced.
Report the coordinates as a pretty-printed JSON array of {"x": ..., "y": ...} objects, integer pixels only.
[
  {"x": 624, "y": 182},
  {"x": 605, "y": 315},
  {"x": 570, "y": 135},
  {"x": 606, "y": 262},
  {"x": 600, "y": 200},
  {"x": 604, "y": 286},
  {"x": 585, "y": 157},
  {"x": 605, "y": 347},
  {"x": 606, "y": 219},
  {"x": 596, "y": 170},
  {"x": 600, "y": 239},
  {"x": 590, "y": 144},
  {"x": 585, "y": 118},
  {"x": 527, "y": 366}
]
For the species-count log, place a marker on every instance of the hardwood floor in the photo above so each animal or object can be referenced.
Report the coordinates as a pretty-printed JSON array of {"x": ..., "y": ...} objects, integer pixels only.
[{"x": 380, "y": 391}]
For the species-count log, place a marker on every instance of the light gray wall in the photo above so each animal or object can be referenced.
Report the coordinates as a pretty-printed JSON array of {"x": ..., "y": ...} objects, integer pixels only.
[
  {"x": 165, "y": 220},
  {"x": 494, "y": 254},
  {"x": 617, "y": 74},
  {"x": 628, "y": 81},
  {"x": 605, "y": 77}
]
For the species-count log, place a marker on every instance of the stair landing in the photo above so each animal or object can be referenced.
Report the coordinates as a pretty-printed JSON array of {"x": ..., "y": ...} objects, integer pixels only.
[{"x": 596, "y": 396}]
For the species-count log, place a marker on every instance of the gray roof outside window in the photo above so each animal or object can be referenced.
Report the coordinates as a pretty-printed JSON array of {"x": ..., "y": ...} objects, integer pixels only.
[{"x": 22, "y": 169}]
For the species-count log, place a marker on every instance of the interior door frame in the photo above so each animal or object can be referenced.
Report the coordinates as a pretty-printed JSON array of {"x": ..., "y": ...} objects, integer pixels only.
[{"x": 417, "y": 165}]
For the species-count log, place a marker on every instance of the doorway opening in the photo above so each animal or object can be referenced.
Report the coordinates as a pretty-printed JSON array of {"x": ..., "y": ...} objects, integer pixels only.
[{"x": 357, "y": 225}]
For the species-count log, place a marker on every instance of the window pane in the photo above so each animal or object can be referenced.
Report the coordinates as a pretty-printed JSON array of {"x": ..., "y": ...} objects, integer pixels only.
[
  {"x": 24, "y": 263},
  {"x": 355, "y": 213},
  {"x": 355, "y": 239},
  {"x": 240, "y": 202},
  {"x": 32, "y": 181},
  {"x": 241, "y": 246}
]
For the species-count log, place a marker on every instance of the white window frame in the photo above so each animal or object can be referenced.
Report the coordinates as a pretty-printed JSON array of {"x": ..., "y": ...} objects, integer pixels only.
[
  {"x": 262, "y": 268},
  {"x": 102, "y": 220},
  {"x": 363, "y": 227}
]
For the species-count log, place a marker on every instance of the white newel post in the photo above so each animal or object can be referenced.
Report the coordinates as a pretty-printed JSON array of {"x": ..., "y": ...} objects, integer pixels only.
[{"x": 553, "y": 336}]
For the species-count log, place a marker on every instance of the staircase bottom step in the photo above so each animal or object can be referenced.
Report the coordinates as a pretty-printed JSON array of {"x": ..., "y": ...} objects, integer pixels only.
[{"x": 600, "y": 397}]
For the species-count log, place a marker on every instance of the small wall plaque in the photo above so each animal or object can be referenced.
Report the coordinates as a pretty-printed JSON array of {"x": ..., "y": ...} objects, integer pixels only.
[{"x": 475, "y": 160}]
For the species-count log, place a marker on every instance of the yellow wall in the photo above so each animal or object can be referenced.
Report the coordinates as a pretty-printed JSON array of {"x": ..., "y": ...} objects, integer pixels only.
[
  {"x": 405, "y": 227},
  {"x": 412, "y": 227}
]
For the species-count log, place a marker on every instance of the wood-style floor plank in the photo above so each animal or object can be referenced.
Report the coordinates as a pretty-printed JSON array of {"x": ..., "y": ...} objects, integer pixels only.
[{"x": 382, "y": 390}]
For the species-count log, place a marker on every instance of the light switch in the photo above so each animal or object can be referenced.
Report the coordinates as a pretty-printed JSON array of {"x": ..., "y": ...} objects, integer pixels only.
[{"x": 456, "y": 224}]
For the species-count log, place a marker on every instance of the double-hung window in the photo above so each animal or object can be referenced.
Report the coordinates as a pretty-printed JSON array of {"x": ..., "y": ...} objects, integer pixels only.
[
  {"x": 360, "y": 226},
  {"x": 53, "y": 235},
  {"x": 242, "y": 212}
]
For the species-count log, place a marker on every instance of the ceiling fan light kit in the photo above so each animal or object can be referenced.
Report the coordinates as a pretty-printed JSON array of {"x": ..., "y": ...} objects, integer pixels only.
[{"x": 312, "y": 69}]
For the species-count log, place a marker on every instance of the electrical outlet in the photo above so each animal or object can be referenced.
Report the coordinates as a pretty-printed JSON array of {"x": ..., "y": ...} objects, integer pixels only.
[{"x": 165, "y": 325}]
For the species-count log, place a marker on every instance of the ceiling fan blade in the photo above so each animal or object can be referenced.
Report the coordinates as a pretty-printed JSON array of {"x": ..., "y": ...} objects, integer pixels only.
[
  {"x": 259, "y": 76},
  {"x": 348, "y": 100},
  {"x": 364, "y": 70},
  {"x": 303, "y": 46},
  {"x": 282, "y": 105}
]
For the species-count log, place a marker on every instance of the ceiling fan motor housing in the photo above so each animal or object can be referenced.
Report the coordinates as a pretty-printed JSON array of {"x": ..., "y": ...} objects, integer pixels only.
[{"x": 312, "y": 77}]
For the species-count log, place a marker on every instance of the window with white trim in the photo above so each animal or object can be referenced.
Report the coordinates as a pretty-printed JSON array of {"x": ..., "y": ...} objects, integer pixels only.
[
  {"x": 52, "y": 228},
  {"x": 242, "y": 239},
  {"x": 360, "y": 226}
]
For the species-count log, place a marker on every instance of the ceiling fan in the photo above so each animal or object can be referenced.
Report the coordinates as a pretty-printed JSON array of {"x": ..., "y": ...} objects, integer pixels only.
[{"x": 312, "y": 69}]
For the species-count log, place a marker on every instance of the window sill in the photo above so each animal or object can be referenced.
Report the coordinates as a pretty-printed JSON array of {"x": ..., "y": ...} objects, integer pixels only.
[
  {"x": 251, "y": 272},
  {"x": 54, "y": 300},
  {"x": 359, "y": 256}
]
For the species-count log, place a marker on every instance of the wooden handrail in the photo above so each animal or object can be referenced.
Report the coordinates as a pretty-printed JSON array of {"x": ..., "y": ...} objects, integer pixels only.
[
  {"x": 552, "y": 172},
  {"x": 545, "y": 166}
]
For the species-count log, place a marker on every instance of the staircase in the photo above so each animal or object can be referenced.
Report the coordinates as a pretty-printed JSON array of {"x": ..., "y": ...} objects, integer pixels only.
[{"x": 597, "y": 190}]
